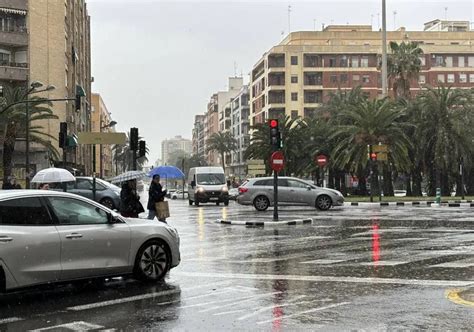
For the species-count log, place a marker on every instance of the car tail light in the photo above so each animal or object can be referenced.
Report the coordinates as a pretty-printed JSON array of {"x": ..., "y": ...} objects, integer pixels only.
[{"x": 243, "y": 190}]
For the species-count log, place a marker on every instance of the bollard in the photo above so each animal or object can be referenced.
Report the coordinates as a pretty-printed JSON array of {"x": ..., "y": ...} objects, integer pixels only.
[{"x": 438, "y": 195}]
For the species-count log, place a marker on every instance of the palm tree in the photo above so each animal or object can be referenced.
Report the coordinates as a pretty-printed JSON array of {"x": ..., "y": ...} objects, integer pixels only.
[
  {"x": 124, "y": 156},
  {"x": 369, "y": 123},
  {"x": 14, "y": 119},
  {"x": 404, "y": 65},
  {"x": 222, "y": 143},
  {"x": 446, "y": 133}
]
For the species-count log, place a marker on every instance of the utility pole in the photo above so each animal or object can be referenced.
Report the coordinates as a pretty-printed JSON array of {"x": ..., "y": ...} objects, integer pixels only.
[{"x": 384, "y": 51}]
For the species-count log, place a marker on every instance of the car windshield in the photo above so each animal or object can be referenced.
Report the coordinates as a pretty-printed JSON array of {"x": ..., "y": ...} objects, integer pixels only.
[{"x": 212, "y": 179}]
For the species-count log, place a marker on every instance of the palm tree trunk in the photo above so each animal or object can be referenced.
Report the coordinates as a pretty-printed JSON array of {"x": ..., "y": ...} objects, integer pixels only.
[
  {"x": 416, "y": 174},
  {"x": 331, "y": 178},
  {"x": 387, "y": 180},
  {"x": 223, "y": 161},
  {"x": 408, "y": 185},
  {"x": 9, "y": 149}
]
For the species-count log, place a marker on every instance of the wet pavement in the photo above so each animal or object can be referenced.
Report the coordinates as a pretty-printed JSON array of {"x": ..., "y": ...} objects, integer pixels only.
[{"x": 353, "y": 268}]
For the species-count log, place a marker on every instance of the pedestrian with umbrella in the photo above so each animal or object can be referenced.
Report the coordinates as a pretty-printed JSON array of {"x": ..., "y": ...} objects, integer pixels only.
[
  {"x": 156, "y": 194},
  {"x": 130, "y": 205}
]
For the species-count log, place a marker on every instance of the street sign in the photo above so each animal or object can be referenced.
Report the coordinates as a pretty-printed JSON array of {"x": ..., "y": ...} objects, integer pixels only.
[
  {"x": 382, "y": 156},
  {"x": 102, "y": 138},
  {"x": 277, "y": 161},
  {"x": 380, "y": 148},
  {"x": 321, "y": 160}
]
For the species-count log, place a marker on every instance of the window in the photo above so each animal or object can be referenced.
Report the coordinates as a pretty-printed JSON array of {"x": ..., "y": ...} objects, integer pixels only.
[
  {"x": 294, "y": 96},
  {"x": 294, "y": 115},
  {"x": 297, "y": 184},
  {"x": 449, "y": 61},
  {"x": 343, "y": 62},
  {"x": 332, "y": 62},
  {"x": 451, "y": 78},
  {"x": 422, "y": 61},
  {"x": 24, "y": 211},
  {"x": 294, "y": 60},
  {"x": 344, "y": 78},
  {"x": 439, "y": 61},
  {"x": 441, "y": 78},
  {"x": 263, "y": 183},
  {"x": 355, "y": 61},
  {"x": 356, "y": 78},
  {"x": 461, "y": 61},
  {"x": 83, "y": 184},
  {"x": 294, "y": 79},
  {"x": 365, "y": 79},
  {"x": 70, "y": 211},
  {"x": 470, "y": 61},
  {"x": 471, "y": 78},
  {"x": 333, "y": 78},
  {"x": 422, "y": 79},
  {"x": 364, "y": 61},
  {"x": 462, "y": 78}
]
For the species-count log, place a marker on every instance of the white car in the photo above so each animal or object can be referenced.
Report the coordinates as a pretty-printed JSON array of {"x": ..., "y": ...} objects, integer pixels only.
[
  {"x": 179, "y": 194},
  {"x": 399, "y": 193},
  {"x": 49, "y": 236}
]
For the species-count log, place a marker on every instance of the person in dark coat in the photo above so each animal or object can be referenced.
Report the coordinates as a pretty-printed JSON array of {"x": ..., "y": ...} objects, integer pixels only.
[
  {"x": 8, "y": 184},
  {"x": 155, "y": 194},
  {"x": 130, "y": 205}
]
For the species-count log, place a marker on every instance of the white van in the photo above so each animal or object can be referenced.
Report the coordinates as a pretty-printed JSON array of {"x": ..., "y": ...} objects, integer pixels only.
[{"x": 207, "y": 184}]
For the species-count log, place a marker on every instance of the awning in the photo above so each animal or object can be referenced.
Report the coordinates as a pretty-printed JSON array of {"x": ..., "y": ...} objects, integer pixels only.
[{"x": 13, "y": 11}]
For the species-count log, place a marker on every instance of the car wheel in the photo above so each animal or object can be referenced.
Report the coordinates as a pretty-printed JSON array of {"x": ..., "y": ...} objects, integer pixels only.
[
  {"x": 323, "y": 202},
  {"x": 153, "y": 261},
  {"x": 174, "y": 197},
  {"x": 217, "y": 203},
  {"x": 190, "y": 202},
  {"x": 226, "y": 203},
  {"x": 196, "y": 202},
  {"x": 107, "y": 202},
  {"x": 261, "y": 203}
]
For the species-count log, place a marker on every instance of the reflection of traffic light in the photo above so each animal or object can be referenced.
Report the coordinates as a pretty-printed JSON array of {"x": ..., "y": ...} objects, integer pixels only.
[
  {"x": 373, "y": 156},
  {"x": 275, "y": 136},
  {"x": 134, "y": 139},
  {"x": 141, "y": 149},
  {"x": 63, "y": 135}
]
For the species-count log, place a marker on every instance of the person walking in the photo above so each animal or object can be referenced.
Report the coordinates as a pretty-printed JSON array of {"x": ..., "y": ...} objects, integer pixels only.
[
  {"x": 9, "y": 184},
  {"x": 155, "y": 194},
  {"x": 130, "y": 205},
  {"x": 43, "y": 186}
]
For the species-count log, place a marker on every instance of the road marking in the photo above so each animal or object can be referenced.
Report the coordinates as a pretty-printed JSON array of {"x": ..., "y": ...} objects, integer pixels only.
[
  {"x": 416, "y": 282},
  {"x": 324, "y": 261},
  {"x": 286, "y": 304},
  {"x": 306, "y": 312},
  {"x": 383, "y": 263},
  {"x": 226, "y": 300},
  {"x": 250, "y": 299},
  {"x": 10, "y": 320},
  {"x": 453, "y": 296},
  {"x": 75, "y": 326},
  {"x": 229, "y": 312}
]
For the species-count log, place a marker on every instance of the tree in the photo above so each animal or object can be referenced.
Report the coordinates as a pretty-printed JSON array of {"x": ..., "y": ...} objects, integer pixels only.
[
  {"x": 14, "y": 120},
  {"x": 445, "y": 131},
  {"x": 124, "y": 156},
  {"x": 404, "y": 65},
  {"x": 222, "y": 143}
]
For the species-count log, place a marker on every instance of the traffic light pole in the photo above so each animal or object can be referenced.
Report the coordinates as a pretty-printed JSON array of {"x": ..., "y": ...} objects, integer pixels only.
[
  {"x": 371, "y": 174},
  {"x": 275, "y": 196},
  {"x": 93, "y": 172},
  {"x": 134, "y": 160}
]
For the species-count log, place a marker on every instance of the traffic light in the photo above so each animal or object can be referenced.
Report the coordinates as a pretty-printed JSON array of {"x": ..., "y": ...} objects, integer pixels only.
[
  {"x": 373, "y": 156},
  {"x": 275, "y": 135},
  {"x": 134, "y": 139},
  {"x": 142, "y": 149},
  {"x": 63, "y": 135}
]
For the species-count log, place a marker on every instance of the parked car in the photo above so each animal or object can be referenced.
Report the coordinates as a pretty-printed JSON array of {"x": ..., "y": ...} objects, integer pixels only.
[
  {"x": 399, "y": 193},
  {"x": 179, "y": 194},
  {"x": 106, "y": 193},
  {"x": 291, "y": 191},
  {"x": 49, "y": 236}
]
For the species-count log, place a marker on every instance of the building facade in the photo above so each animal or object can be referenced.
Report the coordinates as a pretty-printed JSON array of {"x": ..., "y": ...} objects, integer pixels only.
[
  {"x": 171, "y": 147},
  {"x": 49, "y": 42},
  {"x": 198, "y": 135},
  {"x": 102, "y": 122},
  {"x": 240, "y": 128},
  {"x": 295, "y": 77}
]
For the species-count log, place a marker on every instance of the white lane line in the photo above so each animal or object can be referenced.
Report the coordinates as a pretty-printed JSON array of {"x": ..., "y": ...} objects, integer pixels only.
[
  {"x": 324, "y": 261},
  {"x": 305, "y": 312},
  {"x": 383, "y": 263},
  {"x": 286, "y": 304},
  {"x": 230, "y": 312},
  {"x": 75, "y": 326},
  {"x": 226, "y": 300},
  {"x": 10, "y": 320},
  {"x": 240, "y": 301},
  {"x": 415, "y": 282}
]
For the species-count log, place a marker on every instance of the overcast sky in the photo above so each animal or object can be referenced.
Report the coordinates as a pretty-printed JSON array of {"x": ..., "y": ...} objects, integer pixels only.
[{"x": 156, "y": 63}]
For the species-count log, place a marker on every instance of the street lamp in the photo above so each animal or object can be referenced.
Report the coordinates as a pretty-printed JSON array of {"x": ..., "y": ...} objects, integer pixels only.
[
  {"x": 109, "y": 125},
  {"x": 33, "y": 89}
]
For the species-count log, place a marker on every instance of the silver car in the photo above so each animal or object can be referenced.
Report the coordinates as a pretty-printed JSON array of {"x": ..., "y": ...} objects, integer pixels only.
[
  {"x": 48, "y": 236},
  {"x": 291, "y": 191}
]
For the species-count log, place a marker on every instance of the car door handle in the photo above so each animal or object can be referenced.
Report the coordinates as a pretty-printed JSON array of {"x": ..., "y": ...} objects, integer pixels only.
[
  {"x": 74, "y": 236},
  {"x": 5, "y": 239}
]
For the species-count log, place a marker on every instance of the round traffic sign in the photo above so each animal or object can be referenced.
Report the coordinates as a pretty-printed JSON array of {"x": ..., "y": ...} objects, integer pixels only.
[
  {"x": 321, "y": 160},
  {"x": 277, "y": 161}
]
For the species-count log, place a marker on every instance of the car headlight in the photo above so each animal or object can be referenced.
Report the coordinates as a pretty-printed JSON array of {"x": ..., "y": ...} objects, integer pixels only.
[
  {"x": 200, "y": 189},
  {"x": 225, "y": 189}
]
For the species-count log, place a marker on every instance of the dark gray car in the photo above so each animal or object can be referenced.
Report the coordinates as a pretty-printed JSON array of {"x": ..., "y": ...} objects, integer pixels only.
[{"x": 291, "y": 191}]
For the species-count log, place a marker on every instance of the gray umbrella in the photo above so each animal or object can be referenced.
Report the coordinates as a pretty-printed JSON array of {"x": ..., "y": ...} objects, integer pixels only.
[{"x": 130, "y": 175}]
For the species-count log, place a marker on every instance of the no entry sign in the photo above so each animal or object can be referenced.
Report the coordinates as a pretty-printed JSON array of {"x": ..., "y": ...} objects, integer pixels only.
[
  {"x": 321, "y": 160},
  {"x": 277, "y": 161}
]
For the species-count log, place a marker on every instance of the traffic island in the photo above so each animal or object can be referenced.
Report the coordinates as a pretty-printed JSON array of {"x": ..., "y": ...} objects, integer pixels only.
[
  {"x": 266, "y": 223},
  {"x": 461, "y": 296},
  {"x": 415, "y": 203}
]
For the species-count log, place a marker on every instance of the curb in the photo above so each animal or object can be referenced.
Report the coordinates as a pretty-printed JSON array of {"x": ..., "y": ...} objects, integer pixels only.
[
  {"x": 266, "y": 223},
  {"x": 417, "y": 203},
  {"x": 458, "y": 296}
]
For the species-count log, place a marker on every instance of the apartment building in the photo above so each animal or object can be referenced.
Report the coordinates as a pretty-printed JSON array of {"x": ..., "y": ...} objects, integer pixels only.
[
  {"x": 102, "y": 123},
  {"x": 240, "y": 128},
  {"x": 198, "y": 135},
  {"x": 49, "y": 42},
  {"x": 170, "y": 147},
  {"x": 296, "y": 76}
]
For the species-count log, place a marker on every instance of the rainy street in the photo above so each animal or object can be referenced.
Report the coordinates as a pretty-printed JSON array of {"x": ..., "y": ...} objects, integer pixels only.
[{"x": 352, "y": 268}]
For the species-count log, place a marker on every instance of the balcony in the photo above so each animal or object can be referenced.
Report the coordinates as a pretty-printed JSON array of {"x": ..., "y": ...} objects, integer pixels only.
[
  {"x": 313, "y": 78},
  {"x": 12, "y": 71},
  {"x": 276, "y": 97},
  {"x": 313, "y": 97},
  {"x": 311, "y": 60},
  {"x": 276, "y": 61},
  {"x": 14, "y": 38},
  {"x": 276, "y": 79}
]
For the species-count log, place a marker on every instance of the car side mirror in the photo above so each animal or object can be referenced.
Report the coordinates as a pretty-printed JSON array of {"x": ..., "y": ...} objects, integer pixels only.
[
  {"x": 111, "y": 219},
  {"x": 308, "y": 187},
  {"x": 193, "y": 184}
]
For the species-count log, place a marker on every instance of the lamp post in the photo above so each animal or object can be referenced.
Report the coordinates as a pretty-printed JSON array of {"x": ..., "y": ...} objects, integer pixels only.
[{"x": 33, "y": 86}]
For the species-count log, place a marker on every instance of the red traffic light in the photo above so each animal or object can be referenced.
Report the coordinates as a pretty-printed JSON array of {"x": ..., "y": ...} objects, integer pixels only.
[
  {"x": 273, "y": 123},
  {"x": 373, "y": 156}
]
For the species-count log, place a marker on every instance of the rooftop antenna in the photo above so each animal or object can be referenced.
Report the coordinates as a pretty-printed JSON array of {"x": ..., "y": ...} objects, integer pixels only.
[
  {"x": 289, "y": 19},
  {"x": 445, "y": 13},
  {"x": 394, "y": 20}
]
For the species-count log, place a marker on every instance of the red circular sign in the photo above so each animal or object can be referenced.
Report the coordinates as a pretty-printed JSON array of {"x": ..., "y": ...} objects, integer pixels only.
[
  {"x": 277, "y": 161},
  {"x": 321, "y": 160}
]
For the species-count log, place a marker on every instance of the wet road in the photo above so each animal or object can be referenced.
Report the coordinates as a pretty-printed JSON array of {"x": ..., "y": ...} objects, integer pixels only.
[{"x": 352, "y": 268}]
